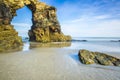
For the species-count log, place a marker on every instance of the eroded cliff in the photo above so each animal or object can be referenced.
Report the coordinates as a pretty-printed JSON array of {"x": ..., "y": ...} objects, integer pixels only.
[{"x": 45, "y": 28}]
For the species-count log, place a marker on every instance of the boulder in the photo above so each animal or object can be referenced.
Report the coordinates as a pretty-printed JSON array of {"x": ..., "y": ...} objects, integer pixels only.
[{"x": 89, "y": 57}]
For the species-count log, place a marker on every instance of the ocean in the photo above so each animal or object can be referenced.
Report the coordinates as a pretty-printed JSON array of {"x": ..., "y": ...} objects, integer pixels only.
[
  {"x": 112, "y": 39},
  {"x": 101, "y": 44}
]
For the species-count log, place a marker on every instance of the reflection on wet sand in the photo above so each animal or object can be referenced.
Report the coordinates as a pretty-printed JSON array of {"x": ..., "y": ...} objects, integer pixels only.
[
  {"x": 30, "y": 45},
  {"x": 48, "y": 45}
]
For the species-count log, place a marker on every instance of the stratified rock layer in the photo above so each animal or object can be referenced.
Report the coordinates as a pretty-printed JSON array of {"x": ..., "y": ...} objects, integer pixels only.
[
  {"x": 88, "y": 57},
  {"x": 45, "y": 28}
]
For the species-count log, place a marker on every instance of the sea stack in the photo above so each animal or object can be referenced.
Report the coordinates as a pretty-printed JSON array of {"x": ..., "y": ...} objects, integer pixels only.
[{"x": 45, "y": 28}]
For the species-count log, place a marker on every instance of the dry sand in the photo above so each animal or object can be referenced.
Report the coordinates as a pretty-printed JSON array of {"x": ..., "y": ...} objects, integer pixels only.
[{"x": 52, "y": 64}]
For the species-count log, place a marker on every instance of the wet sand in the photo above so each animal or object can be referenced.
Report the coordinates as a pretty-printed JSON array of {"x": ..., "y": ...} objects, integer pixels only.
[{"x": 52, "y": 64}]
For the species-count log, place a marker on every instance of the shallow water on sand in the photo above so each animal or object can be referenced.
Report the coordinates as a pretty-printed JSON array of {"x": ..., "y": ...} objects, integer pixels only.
[
  {"x": 57, "y": 61},
  {"x": 102, "y": 46}
]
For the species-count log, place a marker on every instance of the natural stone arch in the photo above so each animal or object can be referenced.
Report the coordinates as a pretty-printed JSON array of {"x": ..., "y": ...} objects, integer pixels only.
[
  {"x": 45, "y": 28},
  {"x": 23, "y": 22}
]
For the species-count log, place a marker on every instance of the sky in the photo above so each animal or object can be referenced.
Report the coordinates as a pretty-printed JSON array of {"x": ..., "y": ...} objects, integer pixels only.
[{"x": 79, "y": 18}]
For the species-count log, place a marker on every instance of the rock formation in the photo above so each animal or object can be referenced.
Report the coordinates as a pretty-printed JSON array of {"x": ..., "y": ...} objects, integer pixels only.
[
  {"x": 45, "y": 28},
  {"x": 88, "y": 57}
]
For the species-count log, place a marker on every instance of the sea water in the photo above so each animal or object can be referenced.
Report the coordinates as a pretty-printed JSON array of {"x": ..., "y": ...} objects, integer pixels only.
[
  {"x": 101, "y": 44},
  {"x": 112, "y": 39}
]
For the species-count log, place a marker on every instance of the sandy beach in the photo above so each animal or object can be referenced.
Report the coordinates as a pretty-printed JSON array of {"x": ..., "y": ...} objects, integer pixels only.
[
  {"x": 41, "y": 39},
  {"x": 52, "y": 64}
]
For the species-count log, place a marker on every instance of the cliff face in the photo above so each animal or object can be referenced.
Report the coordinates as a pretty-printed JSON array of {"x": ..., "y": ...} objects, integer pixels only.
[{"x": 45, "y": 28}]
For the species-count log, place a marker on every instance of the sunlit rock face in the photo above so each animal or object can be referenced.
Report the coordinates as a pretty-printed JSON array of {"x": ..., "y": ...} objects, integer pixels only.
[
  {"x": 45, "y": 28},
  {"x": 89, "y": 57}
]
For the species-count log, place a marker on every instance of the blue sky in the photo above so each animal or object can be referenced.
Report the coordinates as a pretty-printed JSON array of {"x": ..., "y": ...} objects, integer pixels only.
[{"x": 79, "y": 18}]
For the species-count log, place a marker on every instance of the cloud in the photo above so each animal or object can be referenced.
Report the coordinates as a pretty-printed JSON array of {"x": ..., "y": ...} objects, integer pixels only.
[
  {"x": 23, "y": 33},
  {"x": 21, "y": 24},
  {"x": 75, "y": 9},
  {"x": 90, "y": 18},
  {"x": 22, "y": 28},
  {"x": 102, "y": 17},
  {"x": 85, "y": 17},
  {"x": 104, "y": 28}
]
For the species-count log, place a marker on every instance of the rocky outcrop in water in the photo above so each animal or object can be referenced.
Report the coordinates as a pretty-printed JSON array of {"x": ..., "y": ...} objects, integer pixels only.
[
  {"x": 89, "y": 57},
  {"x": 45, "y": 28}
]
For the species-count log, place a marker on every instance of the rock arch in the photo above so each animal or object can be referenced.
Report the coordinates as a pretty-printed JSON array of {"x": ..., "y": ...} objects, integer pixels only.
[
  {"x": 23, "y": 22},
  {"x": 45, "y": 28}
]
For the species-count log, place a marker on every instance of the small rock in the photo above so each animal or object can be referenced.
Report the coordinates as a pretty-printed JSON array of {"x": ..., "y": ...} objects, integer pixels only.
[{"x": 89, "y": 57}]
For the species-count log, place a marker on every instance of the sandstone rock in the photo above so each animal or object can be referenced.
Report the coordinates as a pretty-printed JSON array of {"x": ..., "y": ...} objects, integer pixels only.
[
  {"x": 9, "y": 38},
  {"x": 88, "y": 57},
  {"x": 45, "y": 28}
]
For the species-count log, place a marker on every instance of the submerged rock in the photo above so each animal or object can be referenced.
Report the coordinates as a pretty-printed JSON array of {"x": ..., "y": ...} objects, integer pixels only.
[
  {"x": 45, "y": 28},
  {"x": 89, "y": 57},
  {"x": 73, "y": 40}
]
